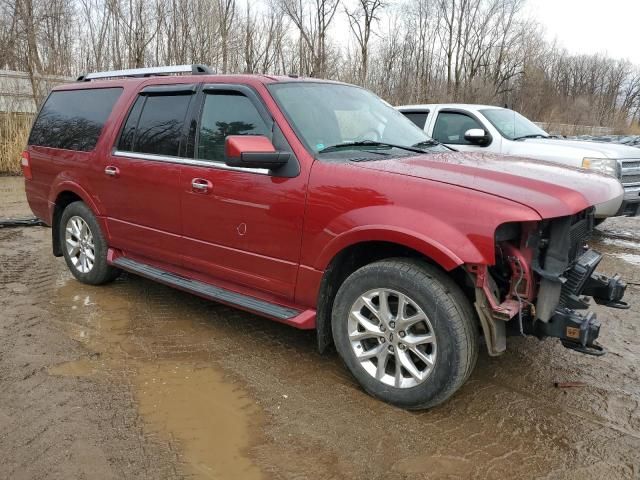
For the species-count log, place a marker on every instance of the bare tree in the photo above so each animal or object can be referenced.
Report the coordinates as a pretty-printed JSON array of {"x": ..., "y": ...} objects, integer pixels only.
[
  {"x": 97, "y": 18},
  {"x": 361, "y": 21},
  {"x": 26, "y": 19},
  {"x": 312, "y": 25},
  {"x": 226, "y": 15},
  {"x": 424, "y": 50}
]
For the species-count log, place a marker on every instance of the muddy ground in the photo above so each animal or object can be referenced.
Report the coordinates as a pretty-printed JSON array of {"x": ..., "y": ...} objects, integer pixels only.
[{"x": 136, "y": 380}]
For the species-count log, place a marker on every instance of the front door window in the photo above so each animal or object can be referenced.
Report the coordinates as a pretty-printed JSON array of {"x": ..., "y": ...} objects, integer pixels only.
[
  {"x": 450, "y": 128},
  {"x": 224, "y": 114}
]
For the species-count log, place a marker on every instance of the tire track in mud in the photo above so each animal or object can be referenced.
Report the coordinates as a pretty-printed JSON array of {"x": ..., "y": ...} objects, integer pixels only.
[
  {"x": 307, "y": 405},
  {"x": 502, "y": 426},
  {"x": 305, "y": 417}
]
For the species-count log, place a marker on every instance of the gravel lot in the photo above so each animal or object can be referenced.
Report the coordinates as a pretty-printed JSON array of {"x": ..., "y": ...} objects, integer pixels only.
[{"x": 136, "y": 380}]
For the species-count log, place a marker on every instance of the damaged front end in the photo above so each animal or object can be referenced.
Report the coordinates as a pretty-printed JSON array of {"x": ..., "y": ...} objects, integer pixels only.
[{"x": 543, "y": 276}]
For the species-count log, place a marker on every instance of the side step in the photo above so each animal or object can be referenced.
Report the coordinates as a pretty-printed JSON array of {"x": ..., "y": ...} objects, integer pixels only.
[{"x": 207, "y": 291}]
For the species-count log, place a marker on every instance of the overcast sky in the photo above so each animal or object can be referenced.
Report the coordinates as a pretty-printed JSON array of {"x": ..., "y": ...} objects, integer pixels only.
[{"x": 592, "y": 26}]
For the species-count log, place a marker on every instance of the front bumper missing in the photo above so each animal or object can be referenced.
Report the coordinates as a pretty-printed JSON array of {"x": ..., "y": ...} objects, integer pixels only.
[
  {"x": 539, "y": 287},
  {"x": 607, "y": 291},
  {"x": 576, "y": 331}
]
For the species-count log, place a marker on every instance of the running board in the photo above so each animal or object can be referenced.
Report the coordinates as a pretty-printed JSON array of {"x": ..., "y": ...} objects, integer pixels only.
[{"x": 209, "y": 291}]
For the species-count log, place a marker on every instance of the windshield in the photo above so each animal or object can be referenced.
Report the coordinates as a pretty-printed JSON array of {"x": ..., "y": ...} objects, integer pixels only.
[
  {"x": 512, "y": 125},
  {"x": 327, "y": 115}
]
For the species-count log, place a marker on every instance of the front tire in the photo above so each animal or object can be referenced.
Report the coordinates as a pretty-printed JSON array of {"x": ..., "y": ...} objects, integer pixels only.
[
  {"x": 84, "y": 246},
  {"x": 406, "y": 332}
]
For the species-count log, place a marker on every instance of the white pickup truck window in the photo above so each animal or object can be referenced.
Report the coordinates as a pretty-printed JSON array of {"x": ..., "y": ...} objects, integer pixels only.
[
  {"x": 511, "y": 124},
  {"x": 450, "y": 127}
]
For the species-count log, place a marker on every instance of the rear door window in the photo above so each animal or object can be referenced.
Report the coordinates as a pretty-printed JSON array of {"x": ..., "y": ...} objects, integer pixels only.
[
  {"x": 156, "y": 123},
  {"x": 73, "y": 119},
  {"x": 418, "y": 118},
  {"x": 227, "y": 113}
]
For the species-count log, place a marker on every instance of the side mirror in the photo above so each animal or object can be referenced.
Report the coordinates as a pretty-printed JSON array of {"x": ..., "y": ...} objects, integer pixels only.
[
  {"x": 477, "y": 136},
  {"x": 252, "y": 151}
]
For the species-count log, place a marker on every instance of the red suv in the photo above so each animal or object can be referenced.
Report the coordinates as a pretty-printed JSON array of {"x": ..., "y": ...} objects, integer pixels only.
[{"x": 316, "y": 204}]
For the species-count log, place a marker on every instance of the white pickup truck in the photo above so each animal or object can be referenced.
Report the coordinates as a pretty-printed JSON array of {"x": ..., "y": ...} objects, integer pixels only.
[{"x": 500, "y": 130}]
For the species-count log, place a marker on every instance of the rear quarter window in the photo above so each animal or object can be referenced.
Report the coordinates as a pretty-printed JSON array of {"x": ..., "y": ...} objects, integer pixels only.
[
  {"x": 418, "y": 118},
  {"x": 73, "y": 119}
]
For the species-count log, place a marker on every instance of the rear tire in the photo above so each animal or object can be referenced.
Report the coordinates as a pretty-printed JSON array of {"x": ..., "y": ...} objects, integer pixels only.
[
  {"x": 84, "y": 246},
  {"x": 419, "y": 350}
]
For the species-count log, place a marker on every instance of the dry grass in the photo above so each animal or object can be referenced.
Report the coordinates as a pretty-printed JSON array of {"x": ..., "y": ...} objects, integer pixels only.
[
  {"x": 14, "y": 130},
  {"x": 633, "y": 129}
]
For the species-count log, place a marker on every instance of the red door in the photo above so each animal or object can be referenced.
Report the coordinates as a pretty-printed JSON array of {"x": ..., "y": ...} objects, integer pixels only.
[
  {"x": 141, "y": 187},
  {"x": 142, "y": 203},
  {"x": 246, "y": 228},
  {"x": 243, "y": 226}
]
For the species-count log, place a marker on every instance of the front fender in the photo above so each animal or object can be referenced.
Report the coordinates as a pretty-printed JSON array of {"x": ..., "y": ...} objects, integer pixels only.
[
  {"x": 450, "y": 224},
  {"x": 430, "y": 247}
]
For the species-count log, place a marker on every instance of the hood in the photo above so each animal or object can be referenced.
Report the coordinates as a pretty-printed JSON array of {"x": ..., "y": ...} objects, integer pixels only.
[
  {"x": 585, "y": 148},
  {"x": 550, "y": 189}
]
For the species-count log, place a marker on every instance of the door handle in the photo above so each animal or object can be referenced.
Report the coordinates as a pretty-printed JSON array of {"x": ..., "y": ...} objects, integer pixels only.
[
  {"x": 201, "y": 185},
  {"x": 112, "y": 171}
]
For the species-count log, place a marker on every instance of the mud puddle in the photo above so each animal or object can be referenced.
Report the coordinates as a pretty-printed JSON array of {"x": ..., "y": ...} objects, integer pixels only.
[
  {"x": 180, "y": 393},
  {"x": 166, "y": 385},
  {"x": 508, "y": 421},
  {"x": 211, "y": 419}
]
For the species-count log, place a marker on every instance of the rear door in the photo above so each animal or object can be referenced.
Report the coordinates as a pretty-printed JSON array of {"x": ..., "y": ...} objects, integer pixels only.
[
  {"x": 245, "y": 225},
  {"x": 141, "y": 189}
]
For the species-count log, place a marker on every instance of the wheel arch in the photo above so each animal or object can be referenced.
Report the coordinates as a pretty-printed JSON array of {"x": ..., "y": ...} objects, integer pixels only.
[
  {"x": 428, "y": 247},
  {"x": 66, "y": 193},
  {"x": 358, "y": 254}
]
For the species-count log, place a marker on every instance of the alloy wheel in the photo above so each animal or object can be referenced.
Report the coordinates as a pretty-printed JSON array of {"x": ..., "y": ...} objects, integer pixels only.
[
  {"x": 79, "y": 244},
  {"x": 392, "y": 338}
]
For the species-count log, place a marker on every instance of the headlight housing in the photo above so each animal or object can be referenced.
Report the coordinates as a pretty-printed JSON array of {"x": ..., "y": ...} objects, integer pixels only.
[{"x": 608, "y": 166}]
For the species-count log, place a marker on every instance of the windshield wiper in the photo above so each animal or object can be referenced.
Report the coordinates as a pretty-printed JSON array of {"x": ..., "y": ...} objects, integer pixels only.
[
  {"x": 426, "y": 143},
  {"x": 533, "y": 135},
  {"x": 367, "y": 143}
]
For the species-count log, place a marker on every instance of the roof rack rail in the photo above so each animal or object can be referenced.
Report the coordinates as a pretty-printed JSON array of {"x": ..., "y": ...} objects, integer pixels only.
[{"x": 195, "y": 69}]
